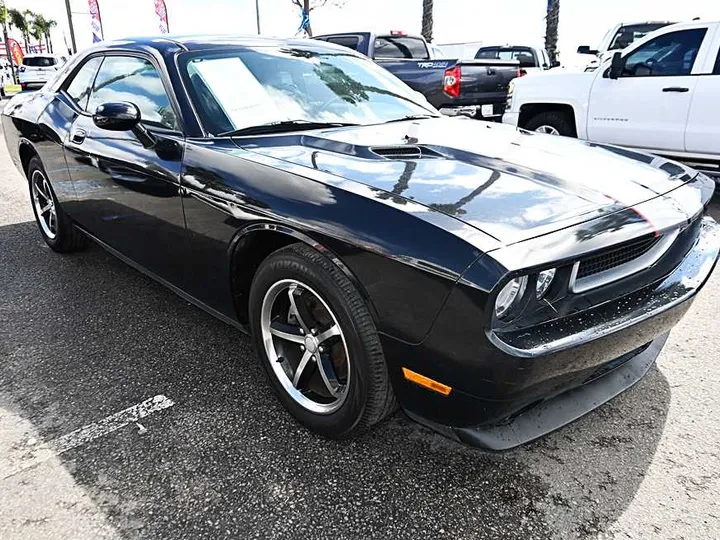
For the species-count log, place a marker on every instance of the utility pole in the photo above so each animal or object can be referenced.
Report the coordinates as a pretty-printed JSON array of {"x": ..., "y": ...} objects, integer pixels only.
[
  {"x": 257, "y": 14},
  {"x": 70, "y": 24}
]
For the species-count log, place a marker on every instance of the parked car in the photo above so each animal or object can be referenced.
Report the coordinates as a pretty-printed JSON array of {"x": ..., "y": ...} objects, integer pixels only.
[
  {"x": 475, "y": 88},
  {"x": 37, "y": 69},
  {"x": 659, "y": 95},
  {"x": 618, "y": 38},
  {"x": 496, "y": 284},
  {"x": 531, "y": 59}
]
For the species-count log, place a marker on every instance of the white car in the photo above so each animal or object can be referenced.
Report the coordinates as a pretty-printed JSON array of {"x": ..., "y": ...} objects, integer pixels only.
[
  {"x": 531, "y": 59},
  {"x": 659, "y": 95},
  {"x": 36, "y": 69},
  {"x": 618, "y": 38}
]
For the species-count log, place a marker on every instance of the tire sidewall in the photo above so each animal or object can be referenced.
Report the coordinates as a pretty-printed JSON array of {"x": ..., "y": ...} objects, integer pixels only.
[
  {"x": 35, "y": 164},
  {"x": 557, "y": 120},
  {"x": 293, "y": 266}
]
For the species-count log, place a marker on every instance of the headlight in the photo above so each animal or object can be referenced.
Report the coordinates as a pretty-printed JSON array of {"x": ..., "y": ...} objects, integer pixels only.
[
  {"x": 543, "y": 282},
  {"x": 509, "y": 294}
]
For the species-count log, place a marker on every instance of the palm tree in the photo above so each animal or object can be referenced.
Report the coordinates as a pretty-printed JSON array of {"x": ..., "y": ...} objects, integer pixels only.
[
  {"x": 41, "y": 28},
  {"x": 17, "y": 21},
  {"x": 551, "y": 28},
  {"x": 427, "y": 20}
]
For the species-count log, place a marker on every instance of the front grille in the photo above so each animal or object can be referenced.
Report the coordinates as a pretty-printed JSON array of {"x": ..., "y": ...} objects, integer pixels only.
[{"x": 616, "y": 256}]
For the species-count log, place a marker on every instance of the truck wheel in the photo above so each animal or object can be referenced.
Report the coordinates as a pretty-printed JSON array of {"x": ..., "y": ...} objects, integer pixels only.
[{"x": 552, "y": 123}]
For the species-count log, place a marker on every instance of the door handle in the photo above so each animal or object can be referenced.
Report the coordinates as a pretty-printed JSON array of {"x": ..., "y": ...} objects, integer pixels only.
[
  {"x": 78, "y": 136},
  {"x": 680, "y": 89}
]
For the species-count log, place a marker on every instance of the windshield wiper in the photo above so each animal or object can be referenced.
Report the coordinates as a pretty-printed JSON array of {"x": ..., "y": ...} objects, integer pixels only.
[
  {"x": 412, "y": 117},
  {"x": 284, "y": 125}
]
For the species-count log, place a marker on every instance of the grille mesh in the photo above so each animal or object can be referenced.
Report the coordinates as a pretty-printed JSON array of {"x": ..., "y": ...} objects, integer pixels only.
[{"x": 616, "y": 257}]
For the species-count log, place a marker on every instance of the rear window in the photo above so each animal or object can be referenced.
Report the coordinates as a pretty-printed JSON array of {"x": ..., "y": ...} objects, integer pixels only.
[
  {"x": 351, "y": 42},
  {"x": 400, "y": 47},
  {"x": 39, "y": 61},
  {"x": 524, "y": 55}
]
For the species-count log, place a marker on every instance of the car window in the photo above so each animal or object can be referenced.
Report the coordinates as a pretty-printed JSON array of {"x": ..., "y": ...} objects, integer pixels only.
[
  {"x": 668, "y": 55},
  {"x": 127, "y": 78},
  {"x": 400, "y": 47},
  {"x": 716, "y": 71},
  {"x": 626, "y": 35},
  {"x": 351, "y": 42},
  {"x": 81, "y": 83},
  {"x": 39, "y": 61},
  {"x": 524, "y": 55}
]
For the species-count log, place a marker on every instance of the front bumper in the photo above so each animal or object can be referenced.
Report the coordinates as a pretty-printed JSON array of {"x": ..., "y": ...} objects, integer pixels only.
[
  {"x": 511, "y": 118},
  {"x": 507, "y": 395}
]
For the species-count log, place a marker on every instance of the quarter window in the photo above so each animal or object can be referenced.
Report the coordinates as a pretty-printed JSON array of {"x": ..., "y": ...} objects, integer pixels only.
[
  {"x": 127, "y": 78},
  {"x": 669, "y": 55},
  {"x": 351, "y": 42},
  {"x": 79, "y": 87}
]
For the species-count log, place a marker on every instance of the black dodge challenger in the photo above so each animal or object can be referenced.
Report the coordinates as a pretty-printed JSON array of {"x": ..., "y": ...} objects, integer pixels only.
[{"x": 495, "y": 284}]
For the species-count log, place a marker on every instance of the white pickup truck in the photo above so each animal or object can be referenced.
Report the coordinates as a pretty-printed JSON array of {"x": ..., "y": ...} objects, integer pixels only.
[{"x": 661, "y": 94}]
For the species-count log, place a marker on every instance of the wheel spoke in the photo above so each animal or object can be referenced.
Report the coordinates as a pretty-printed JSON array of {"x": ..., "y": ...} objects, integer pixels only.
[
  {"x": 46, "y": 208},
  {"x": 299, "y": 309},
  {"x": 307, "y": 356},
  {"x": 288, "y": 332},
  {"x": 327, "y": 372},
  {"x": 51, "y": 221},
  {"x": 334, "y": 330}
]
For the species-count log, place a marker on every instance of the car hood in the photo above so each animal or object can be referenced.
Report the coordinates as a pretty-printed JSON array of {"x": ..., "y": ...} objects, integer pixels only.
[{"x": 509, "y": 184}]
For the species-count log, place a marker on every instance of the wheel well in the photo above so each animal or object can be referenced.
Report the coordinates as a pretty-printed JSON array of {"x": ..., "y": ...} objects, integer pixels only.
[
  {"x": 533, "y": 109},
  {"x": 249, "y": 253},
  {"x": 27, "y": 152}
]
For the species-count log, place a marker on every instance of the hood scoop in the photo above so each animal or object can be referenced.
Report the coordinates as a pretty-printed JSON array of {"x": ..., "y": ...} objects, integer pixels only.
[{"x": 406, "y": 151}]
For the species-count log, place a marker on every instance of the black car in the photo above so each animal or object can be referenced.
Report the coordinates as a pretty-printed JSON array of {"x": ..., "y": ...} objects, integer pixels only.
[{"x": 496, "y": 284}]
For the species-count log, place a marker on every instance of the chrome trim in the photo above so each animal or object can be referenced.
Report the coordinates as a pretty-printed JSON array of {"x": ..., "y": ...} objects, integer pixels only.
[{"x": 614, "y": 274}]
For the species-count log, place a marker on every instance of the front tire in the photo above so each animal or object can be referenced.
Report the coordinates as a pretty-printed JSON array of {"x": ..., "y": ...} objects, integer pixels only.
[
  {"x": 552, "y": 123},
  {"x": 318, "y": 344},
  {"x": 55, "y": 226}
]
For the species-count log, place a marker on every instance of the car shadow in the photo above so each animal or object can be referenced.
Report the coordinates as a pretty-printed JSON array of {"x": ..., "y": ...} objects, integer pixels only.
[{"x": 83, "y": 336}]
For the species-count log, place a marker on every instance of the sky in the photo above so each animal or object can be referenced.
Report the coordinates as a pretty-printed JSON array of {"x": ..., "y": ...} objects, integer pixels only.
[{"x": 582, "y": 22}]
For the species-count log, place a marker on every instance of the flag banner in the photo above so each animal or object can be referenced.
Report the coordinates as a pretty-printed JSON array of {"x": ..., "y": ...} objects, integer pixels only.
[
  {"x": 304, "y": 22},
  {"x": 95, "y": 21},
  {"x": 161, "y": 11},
  {"x": 16, "y": 51}
]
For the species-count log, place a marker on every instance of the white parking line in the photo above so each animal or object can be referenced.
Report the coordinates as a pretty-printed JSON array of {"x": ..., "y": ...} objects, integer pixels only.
[{"x": 40, "y": 453}]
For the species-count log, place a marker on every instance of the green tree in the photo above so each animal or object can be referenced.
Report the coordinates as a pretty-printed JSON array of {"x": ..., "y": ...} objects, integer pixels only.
[
  {"x": 17, "y": 20},
  {"x": 551, "y": 29},
  {"x": 427, "y": 20},
  {"x": 41, "y": 28}
]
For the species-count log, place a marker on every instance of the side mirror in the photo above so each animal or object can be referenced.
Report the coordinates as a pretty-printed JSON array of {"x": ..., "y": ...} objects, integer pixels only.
[
  {"x": 120, "y": 116},
  {"x": 554, "y": 64},
  {"x": 123, "y": 116},
  {"x": 616, "y": 66},
  {"x": 585, "y": 49}
]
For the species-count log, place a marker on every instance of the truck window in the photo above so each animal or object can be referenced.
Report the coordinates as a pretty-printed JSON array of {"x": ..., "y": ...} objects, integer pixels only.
[
  {"x": 351, "y": 42},
  {"x": 524, "y": 55},
  {"x": 400, "y": 47},
  {"x": 631, "y": 33},
  {"x": 669, "y": 55}
]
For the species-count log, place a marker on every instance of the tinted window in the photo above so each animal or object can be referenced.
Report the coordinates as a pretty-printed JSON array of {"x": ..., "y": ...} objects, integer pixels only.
[
  {"x": 524, "y": 55},
  {"x": 39, "y": 61},
  {"x": 668, "y": 55},
  {"x": 716, "y": 71},
  {"x": 79, "y": 87},
  {"x": 400, "y": 47},
  {"x": 125, "y": 78},
  {"x": 626, "y": 35},
  {"x": 351, "y": 42}
]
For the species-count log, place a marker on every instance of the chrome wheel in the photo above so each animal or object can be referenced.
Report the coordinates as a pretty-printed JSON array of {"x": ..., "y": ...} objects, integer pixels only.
[
  {"x": 548, "y": 130},
  {"x": 44, "y": 204},
  {"x": 305, "y": 346}
]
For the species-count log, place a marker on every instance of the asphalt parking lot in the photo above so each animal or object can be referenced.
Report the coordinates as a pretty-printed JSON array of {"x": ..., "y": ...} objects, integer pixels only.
[{"x": 84, "y": 339}]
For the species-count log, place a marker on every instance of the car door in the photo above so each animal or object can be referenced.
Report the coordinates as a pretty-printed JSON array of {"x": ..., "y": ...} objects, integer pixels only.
[
  {"x": 127, "y": 190},
  {"x": 702, "y": 135},
  {"x": 648, "y": 105}
]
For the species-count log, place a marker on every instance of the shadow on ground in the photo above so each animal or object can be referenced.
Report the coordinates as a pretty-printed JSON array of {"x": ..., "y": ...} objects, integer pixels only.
[{"x": 84, "y": 336}]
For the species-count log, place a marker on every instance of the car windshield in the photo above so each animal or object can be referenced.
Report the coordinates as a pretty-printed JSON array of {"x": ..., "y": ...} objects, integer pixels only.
[
  {"x": 39, "y": 61},
  {"x": 626, "y": 35},
  {"x": 271, "y": 85}
]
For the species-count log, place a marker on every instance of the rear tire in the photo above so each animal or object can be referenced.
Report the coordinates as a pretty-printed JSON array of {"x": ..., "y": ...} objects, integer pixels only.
[
  {"x": 552, "y": 123},
  {"x": 342, "y": 390},
  {"x": 55, "y": 226}
]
